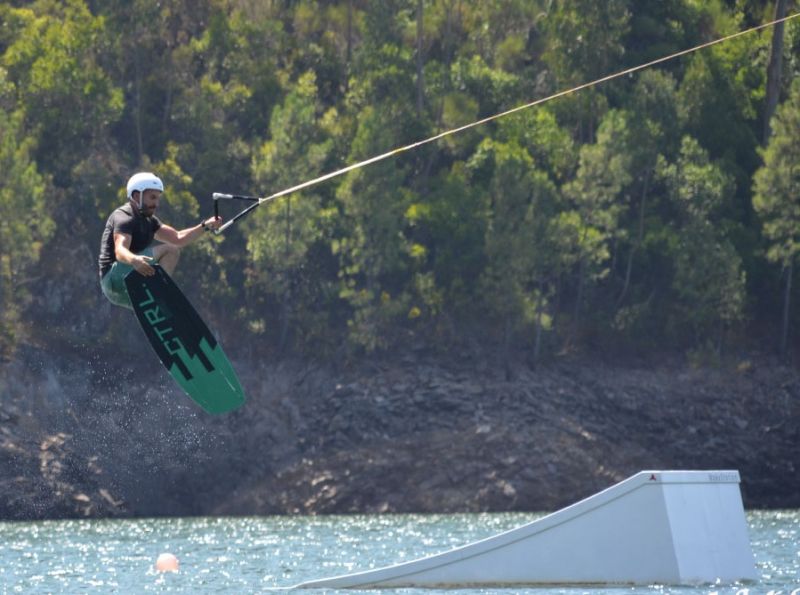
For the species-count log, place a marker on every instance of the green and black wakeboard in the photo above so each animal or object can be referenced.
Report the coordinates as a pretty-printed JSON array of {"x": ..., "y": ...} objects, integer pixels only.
[{"x": 183, "y": 342}]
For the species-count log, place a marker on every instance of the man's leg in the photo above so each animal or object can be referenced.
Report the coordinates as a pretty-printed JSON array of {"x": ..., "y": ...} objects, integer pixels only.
[
  {"x": 113, "y": 286},
  {"x": 167, "y": 256},
  {"x": 113, "y": 283}
]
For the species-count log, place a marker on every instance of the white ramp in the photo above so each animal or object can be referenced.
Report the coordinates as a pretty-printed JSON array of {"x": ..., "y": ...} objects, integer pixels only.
[{"x": 667, "y": 527}]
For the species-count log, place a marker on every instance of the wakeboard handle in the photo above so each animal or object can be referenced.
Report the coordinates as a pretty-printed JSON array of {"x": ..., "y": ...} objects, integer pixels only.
[{"x": 217, "y": 196}]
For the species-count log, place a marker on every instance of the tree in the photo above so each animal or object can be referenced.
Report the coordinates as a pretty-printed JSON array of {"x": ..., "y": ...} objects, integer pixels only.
[
  {"x": 55, "y": 59},
  {"x": 230, "y": 80},
  {"x": 373, "y": 251},
  {"x": 550, "y": 144},
  {"x": 651, "y": 134},
  {"x": 448, "y": 227},
  {"x": 521, "y": 262},
  {"x": 585, "y": 43},
  {"x": 420, "y": 57},
  {"x": 602, "y": 176},
  {"x": 25, "y": 222},
  {"x": 281, "y": 236},
  {"x": 502, "y": 32},
  {"x": 152, "y": 49},
  {"x": 718, "y": 101},
  {"x": 586, "y": 38},
  {"x": 708, "y": 281},
  {"x": 564, "y": 205},
  {"x": 776, "y": 196},
  {"x": 774, "y": 70},
  {"x": 658, "y": 29}
]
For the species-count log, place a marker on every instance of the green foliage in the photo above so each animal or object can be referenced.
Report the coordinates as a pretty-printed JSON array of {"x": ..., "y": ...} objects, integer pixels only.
[
  {"x": 374, "y": 251},
  {"x": 25, "y": 222},
  {"x": 719, "y": 100},
  {"x": 777, "y": 184},
  {"x": 586, "y": 38},
  {"x": 603, "y": 174},
  {"x": 54, "y": 56},
  {"x": 551, "y": 146},
  {"x": 489, "y": 86},
  {"x": 520, "y": 263},
  {"x": 586, "y": 43},
  {"x": 627, "y": 213},
  {"x": 281, "y": 237},
  {"x": 709, "y": 280},
  {"x": 450, "y": 223}
]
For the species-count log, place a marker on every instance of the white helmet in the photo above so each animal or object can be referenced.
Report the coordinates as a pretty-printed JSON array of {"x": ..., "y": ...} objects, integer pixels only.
[{"x": 144, "y": 181}]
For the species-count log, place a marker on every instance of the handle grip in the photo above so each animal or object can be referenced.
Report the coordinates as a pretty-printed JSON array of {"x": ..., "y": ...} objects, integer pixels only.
[
  {"x": 221, "y": 196},
  {"x": 222, "y": 227},
  {"x": 217, "y": 196}
]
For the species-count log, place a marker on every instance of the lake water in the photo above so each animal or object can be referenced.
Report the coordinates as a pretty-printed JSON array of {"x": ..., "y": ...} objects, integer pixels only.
[{"x": 256, "y": 554}]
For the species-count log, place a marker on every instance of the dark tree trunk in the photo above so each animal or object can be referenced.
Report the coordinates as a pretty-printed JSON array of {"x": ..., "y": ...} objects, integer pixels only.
[
  {"x": 349, "y": 44},
  {"x": 639, "y": 240},
  {"x": 286, "y": 300},
  {"x": 787, "y": 298},
  {"x": 537, "y": 344},
  {"x": 138, "y": 108},
  {"x": 774, "y": 70},
  {"x": 420, "y": 61}
]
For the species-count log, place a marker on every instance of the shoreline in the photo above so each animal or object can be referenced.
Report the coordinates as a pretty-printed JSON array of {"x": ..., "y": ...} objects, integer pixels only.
[{"x": 410, "y": 433}]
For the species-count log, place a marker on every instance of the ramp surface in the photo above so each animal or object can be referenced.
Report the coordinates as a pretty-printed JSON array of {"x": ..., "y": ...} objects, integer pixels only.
[{"x": 666, "y": 527}]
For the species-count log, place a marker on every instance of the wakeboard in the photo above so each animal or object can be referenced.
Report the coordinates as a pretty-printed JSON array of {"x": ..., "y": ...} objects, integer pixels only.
[{"x": 183, "y": 342}]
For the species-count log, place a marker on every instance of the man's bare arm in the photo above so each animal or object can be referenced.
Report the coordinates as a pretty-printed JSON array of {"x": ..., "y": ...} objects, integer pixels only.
[
  {"x": 170, "y": 235},
  {"x": 122, "y": 250}
]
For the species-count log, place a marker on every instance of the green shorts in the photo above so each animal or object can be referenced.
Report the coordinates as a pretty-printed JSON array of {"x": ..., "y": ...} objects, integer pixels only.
[{"x": 113, "y": 282}]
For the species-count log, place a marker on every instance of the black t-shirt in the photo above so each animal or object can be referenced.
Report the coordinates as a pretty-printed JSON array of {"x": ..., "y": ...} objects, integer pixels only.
[{"x": 124, "y": 220}]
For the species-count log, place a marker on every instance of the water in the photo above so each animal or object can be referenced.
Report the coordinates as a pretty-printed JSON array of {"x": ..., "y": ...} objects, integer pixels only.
[{"x": 253, "y": 555}]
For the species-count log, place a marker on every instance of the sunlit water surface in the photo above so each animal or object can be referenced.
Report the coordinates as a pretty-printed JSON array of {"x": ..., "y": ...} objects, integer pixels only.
[{"x": 256, "y": 554}]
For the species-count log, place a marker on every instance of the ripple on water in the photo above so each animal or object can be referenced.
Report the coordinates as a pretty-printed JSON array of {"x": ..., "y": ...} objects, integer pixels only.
[{"x": 255, "y": 554}]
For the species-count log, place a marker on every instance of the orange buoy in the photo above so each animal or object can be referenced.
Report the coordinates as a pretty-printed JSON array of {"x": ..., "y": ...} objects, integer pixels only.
[{"x": 167, "y": 563}]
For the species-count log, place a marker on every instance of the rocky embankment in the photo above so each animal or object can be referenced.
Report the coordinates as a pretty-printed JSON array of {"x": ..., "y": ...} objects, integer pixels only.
[{"x": 416, "y": 432}]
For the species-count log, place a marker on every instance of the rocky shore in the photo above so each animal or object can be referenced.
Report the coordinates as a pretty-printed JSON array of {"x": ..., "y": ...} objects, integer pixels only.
[{"x": 81, "y": 436}]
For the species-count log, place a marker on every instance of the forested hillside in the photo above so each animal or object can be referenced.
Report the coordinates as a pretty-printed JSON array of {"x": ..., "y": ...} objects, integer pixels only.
[{"x": 654, "y": 212}]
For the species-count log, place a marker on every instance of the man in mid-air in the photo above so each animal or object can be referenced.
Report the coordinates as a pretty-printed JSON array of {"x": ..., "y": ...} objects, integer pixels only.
[{"x": 129, "y": 234}]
